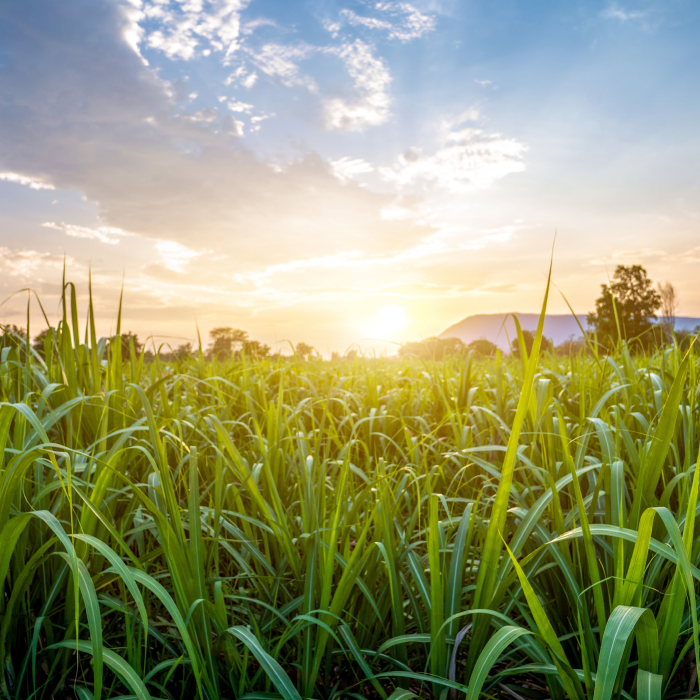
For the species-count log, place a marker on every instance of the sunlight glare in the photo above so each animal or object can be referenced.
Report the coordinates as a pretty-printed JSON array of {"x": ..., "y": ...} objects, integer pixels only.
[{"x": 387, "y": 322}]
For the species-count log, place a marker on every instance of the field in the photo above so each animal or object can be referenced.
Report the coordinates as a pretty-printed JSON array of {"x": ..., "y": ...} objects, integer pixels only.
[{"x": 516, "y": 528}]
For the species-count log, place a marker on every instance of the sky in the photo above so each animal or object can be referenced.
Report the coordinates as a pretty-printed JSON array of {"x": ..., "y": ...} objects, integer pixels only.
[{"x": 340, "y": 172}]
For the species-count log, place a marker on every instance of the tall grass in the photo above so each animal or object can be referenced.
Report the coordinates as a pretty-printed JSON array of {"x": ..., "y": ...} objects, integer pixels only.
[{"x": 255, "y": 529}]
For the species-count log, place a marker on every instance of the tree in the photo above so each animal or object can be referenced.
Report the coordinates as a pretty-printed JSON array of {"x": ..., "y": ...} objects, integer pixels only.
[
  {"x": 254, "y": 348},
  {"x": 224, "y": 340},
  {"x": 303, "y": 350},
  {"x": 126, "y": 345},
  {"x": 12, "y": 336},
  {"x": 483, "y": 348},
  {"x": 39, "y": 342},
  {"x": 433, "y": 348},
  {"x": 669, "y": 303},
  {"x": 635, "y": 301},
  {"x": 529, "y": 340}
]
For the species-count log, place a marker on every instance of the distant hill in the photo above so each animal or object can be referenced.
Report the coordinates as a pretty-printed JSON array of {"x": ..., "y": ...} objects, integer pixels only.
[{"x": 558, "y": 327}]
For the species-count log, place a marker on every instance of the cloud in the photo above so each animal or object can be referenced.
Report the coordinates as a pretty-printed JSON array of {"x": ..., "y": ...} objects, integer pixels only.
[
  {"x": 692, "y": 255},
  {"x": 175, "y": 256},
  {"x": 104, "y": 234},
  {"x": 279, "y": 61},
  {"x": 81, "y": 110},
  {"x": 619, "y": 257},
  {"x": 34, "y": 183},
  {"x": 22, "y": 263},
  {"x": 347, "y": 168},
  {"x": 399, "y": 20},
  {"x": 614, "y": 11},
  {"x": 469, "y": 159},
  {"x": 371, "y": 78},
  {"x": 188, "y": 29}
]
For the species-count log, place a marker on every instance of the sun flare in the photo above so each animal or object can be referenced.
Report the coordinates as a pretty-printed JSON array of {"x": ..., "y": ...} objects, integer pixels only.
[{"x": 387, "y": 322}]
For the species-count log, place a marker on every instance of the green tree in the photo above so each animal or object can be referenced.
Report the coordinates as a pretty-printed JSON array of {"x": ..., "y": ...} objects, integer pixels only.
[
  {"x": 12, "y": 336},
  {"x": 126, "y": 345},
  {"x": 254, "y": 348},
  {"x": 304, "y": 350},
  {"x": 433, "y": 348},
  {"x": 529, "y": 340},
  {"x": 224, "y": 340},
  {"x": 632, "y": 295},
  {"x": 483, "y": 348}
]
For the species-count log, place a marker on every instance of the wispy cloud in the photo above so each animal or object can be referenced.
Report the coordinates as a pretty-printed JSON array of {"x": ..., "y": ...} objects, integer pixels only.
[
  {"x": 280, "y": 61},
  {"x": 192, "y": 28},
  {"x": 371, "y": 78},
  {"x": 614, "y": 11},
  {"x": 470, "y": 158},
  {"x": 347, "y": 168},
  {"x": 690, "y": 256},
  {"x": 175, "y": 256},
  {"x": 21, "y": 263},
  {"x": 34, "y": 183},
  {"x": 618, "y": 257},
  {"x": 104, "y": 234},
  {"x": 399, "y": 20}
]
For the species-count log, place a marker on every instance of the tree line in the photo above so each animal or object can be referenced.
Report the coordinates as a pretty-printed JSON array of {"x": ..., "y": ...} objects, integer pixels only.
[{"x": 625, "y": 310}]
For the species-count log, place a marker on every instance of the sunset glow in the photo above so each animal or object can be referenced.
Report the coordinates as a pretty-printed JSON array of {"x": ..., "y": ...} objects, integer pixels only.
[{"x": 295, "y": 169}]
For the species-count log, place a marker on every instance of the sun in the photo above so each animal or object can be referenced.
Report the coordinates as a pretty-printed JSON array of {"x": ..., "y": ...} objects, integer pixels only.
[{"x": 387, "y": 322}]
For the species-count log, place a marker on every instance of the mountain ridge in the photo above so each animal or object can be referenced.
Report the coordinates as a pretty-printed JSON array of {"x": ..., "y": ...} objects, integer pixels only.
[{"x": 498, "y": 328}]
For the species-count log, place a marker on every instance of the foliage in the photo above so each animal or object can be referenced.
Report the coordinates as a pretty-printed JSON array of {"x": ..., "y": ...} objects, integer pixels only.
[
  {"x": 223, "y": 341},
  {"x": 254, "y": 348},
  {"x": 303, "y": 350},
  {"x": 259, "y": 529},
  {"x": 528, "y": 338},
  {"x": 12, "y": 336},
  {"x": 433, "y": 348},
  {"x": 131, "y": 347},
  {"x": 668, "y": 296},
  {"x": 629, "y": 305},
  {"x": 482, "y": 348}
]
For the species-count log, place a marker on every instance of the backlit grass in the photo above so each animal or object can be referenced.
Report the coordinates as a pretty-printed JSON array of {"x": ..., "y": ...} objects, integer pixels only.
[{"x": 254, "y": 529}]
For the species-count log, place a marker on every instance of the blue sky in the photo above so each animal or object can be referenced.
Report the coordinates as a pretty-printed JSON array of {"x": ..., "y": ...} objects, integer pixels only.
[{"x": 331, "y": 171}]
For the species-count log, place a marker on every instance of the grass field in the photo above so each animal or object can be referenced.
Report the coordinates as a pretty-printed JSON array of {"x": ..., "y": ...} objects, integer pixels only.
[{"x": 258, "y": 529}]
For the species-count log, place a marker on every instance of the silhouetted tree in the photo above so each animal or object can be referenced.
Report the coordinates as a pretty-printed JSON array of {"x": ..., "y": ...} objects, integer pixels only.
[
  {"x": 223, "y": 341},
  {"x": 39, "y": 342},
  {"x": 433, "y": 348},
  {"x": 529, "y": 340},
  {"x": 126, "y": 345},
  {"x": 669, "y": 303},
  {"x": 483, "y": 347},
  {"x": 635, "y": 301},
  {"x": 254, "y": 348},
  {"x": 304, "y": 350},
  {"x": 12, "y": 336}
]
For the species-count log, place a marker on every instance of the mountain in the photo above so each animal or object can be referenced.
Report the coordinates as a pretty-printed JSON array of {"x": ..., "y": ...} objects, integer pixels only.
[{"x": 558, "y": 327}]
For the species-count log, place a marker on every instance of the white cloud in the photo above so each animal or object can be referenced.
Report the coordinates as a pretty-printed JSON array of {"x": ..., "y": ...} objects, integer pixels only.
[
  {"x": 237, "y": 106},
  {"x": 469, "y": 159},
  {"x": 171, "y": 178},
  {"x": 243, "y": 77},
  {"x": 332, "y": 27},
  {"x": 26, "y": 262},
  {"x": 191, "y": 28},
  {"x": 692, "y": 255},
  {"x": 34, "y": 183},
  {"x": 105, "y": 234},
  {"x": 403, "y": 21},
  {"x": 175, "y": 256},
  {"x": 614, "y": 11},
  {"x": 279, "y": 61},
  {"x": 371, "y": 80},
  {"x": 347, "y": 168}
]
